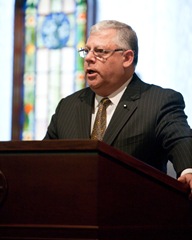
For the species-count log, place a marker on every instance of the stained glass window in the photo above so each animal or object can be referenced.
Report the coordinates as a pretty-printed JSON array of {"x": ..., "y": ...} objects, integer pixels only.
[{"x": 54, "y": 30}]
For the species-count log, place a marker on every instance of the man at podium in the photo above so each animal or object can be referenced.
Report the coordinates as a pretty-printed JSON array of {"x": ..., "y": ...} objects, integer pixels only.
[{"x": 143, "y": 120}]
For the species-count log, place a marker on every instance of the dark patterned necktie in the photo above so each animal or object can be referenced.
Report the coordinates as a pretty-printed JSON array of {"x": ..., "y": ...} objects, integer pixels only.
[{"x": 100, "y": 120}]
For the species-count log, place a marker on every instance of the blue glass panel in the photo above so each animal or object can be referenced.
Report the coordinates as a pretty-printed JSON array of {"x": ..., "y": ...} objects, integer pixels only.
[{"x": 55, "y": 30}]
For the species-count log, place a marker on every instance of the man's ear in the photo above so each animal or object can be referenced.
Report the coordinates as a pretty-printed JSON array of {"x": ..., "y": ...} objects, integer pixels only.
[{"x": 128, "y": 58}]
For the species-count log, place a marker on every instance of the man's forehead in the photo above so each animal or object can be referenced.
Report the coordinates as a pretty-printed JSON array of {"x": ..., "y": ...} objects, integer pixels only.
[{"x": 100, "y": 39}]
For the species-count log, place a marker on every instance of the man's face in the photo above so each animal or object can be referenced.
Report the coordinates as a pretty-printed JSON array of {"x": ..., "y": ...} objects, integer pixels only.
[{"x": 104, "y": 75}]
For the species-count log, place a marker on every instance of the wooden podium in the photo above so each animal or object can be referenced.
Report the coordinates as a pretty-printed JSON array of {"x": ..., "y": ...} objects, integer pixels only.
[{"x": 87, "y": 190}]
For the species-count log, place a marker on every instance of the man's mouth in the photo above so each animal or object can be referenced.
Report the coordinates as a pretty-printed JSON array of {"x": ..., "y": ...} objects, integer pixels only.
[{"x": 90, "y": 71}]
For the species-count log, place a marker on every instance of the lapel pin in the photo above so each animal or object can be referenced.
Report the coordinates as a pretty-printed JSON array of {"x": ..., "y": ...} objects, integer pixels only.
[{"x": 125, "y": 106}]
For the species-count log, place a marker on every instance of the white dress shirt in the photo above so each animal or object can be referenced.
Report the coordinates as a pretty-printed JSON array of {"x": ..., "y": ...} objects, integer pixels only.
[{"x": 114, "y": 97}]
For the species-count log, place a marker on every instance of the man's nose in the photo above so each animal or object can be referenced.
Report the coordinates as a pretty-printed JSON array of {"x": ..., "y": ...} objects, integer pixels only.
[{"x": 90, "y": 55}]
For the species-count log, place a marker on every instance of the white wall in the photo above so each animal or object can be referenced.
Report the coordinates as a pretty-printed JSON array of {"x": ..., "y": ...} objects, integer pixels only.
[{"x": 164, "y": 29}]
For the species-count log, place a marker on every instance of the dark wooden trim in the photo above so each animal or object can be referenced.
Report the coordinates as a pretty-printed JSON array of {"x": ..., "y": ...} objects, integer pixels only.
[
  {"x": 18, "y": 69},
  {"x": 91, "y": 14}
]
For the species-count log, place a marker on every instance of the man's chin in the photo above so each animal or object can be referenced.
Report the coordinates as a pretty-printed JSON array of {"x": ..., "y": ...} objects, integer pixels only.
[{"x": 93, "y": 83}]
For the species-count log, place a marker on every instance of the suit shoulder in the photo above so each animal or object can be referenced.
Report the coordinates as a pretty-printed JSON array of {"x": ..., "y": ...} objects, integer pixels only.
[
  {"x": 78, "y": 94},
  {"x": 153, "y": 91},
  {"x": 165, "y": 91},
  {"x": 75, "y": 98},
  {"x": 144, "y": 86}
]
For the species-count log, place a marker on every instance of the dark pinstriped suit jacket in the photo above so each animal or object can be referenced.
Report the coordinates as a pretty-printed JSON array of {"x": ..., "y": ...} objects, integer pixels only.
[{"x": 149, "y": 123}]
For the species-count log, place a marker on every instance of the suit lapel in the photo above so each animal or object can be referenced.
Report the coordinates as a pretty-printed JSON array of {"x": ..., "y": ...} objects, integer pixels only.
[
  {"x": 126, "y": 107},
  {"x": 84, "y": 112}
]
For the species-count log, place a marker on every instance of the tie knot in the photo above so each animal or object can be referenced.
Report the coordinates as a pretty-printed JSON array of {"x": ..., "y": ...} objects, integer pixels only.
[{"x": 105, "y": 101}]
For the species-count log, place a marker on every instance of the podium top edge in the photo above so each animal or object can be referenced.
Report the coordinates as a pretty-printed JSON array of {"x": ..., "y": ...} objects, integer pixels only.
[
  {"x": 41, "y": 145},
  {"x": 86, "y": 145}
]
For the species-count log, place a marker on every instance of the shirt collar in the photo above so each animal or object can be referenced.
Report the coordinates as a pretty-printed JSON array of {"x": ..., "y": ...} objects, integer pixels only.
[{"x": 115, "y": 96}]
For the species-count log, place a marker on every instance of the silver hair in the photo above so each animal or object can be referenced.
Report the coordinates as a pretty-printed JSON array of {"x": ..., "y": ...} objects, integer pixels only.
[{"x": 126, "y": 36}]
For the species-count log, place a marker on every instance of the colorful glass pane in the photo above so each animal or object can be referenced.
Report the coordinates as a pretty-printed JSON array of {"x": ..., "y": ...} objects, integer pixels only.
[
  {"x": 54, "y": 30},
  {"x": 29, "y": 70}
]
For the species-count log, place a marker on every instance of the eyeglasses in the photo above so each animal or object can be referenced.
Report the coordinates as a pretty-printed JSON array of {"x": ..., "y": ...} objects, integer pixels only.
[{"x": 98, "y": 52}]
